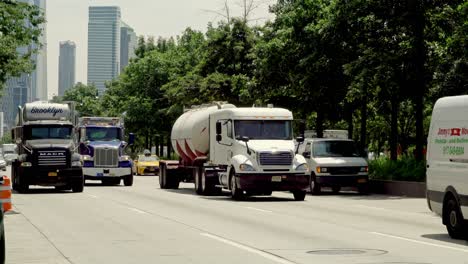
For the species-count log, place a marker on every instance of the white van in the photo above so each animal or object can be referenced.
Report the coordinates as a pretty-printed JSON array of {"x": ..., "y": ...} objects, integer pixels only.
[
  {"x": 447, "y": 164},
  {"x": 335, "y": 163}
]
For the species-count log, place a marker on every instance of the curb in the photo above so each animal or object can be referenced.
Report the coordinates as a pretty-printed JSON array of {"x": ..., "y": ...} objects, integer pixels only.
[{"x": 398, "y": 188}]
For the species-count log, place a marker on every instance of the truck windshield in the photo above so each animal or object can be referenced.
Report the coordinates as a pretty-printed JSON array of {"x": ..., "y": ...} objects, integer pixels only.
[
  {"x": 263, "y": 129},
  {"x": 335, "y": 148},
  {"x": 103, "y": 134},
  {"x": 47, "y": 132}
]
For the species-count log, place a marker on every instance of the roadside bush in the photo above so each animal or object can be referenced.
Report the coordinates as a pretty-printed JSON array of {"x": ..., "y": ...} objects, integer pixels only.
[{"x": 406, "y": 168}]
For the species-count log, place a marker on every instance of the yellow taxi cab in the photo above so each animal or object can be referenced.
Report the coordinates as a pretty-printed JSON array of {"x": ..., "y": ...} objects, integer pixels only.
[{"x": 146, "y": 164}]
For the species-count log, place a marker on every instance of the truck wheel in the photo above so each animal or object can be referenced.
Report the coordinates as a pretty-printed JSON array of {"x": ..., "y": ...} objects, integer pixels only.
[
  {"x": 299, "y": 195},
  {"x": 162, "y": 177},
  {"x": 14, "y": 178},
  {"x": 315, "y": 187},
  {"x": 237, "y": 194},
  {"x": 363, "y": 189},
  {"x": 78, "y": 186},
  {"x": 173, "y": 182},
  {"x": 336, "y": 189},
  {"x": 23, "y": 186},
  {"x": 128, "y": 180},
  {"x": 197, "y": 180},
  {"x": 453, "y": 219}
]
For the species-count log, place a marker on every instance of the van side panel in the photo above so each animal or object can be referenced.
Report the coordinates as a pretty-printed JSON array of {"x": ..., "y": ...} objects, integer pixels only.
[{"x": 447, "y": 158}]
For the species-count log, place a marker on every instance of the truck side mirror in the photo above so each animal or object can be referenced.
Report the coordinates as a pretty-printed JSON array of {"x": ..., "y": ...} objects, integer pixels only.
[
  {"x": 306, "y": 154},
  {"x": 218, "y": 128},
  {"x": 218, "y": 131},
  {"x": 300, "y": 139},
  {"x": 245, "y": 139},
  {"x": 302, "y": 126},
  {"x": 131, "y": 139}
]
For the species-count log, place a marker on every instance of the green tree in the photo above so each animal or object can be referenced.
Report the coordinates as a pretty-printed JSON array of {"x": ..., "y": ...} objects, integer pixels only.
[
  {"x": 19, "y": 28},
  {"x": 86, "y": 98}
]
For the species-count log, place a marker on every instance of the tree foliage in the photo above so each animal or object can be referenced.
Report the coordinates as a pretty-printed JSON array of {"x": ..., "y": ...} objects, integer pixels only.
[{"x": 19, "y": 37}]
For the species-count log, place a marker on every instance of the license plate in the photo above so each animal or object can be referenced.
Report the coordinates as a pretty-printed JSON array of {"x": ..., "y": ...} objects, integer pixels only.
[
  {"x": 100, "y": 174},
  {"x": 362, "y": 180},
  {"x": 52, "y": 174},
  {"x": 276, "y": 178}
]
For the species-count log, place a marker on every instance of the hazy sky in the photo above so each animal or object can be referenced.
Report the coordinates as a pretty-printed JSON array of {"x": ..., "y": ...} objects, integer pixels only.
[{"x": 68, "y": 20}]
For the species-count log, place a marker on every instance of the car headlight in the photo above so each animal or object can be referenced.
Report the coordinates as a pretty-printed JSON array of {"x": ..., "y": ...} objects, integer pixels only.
[
  {"x": 26, "y": 164},
  {"x": 364, "y": 169},
  {"x": 76, "y": 163},
  {"x": 86, "y": 158},
  {"x": 303, "y": 167},
  {"x": 124, "y": 158},
  {"x": 246, "y": 167},
  {"x": 321, "y": 170}
]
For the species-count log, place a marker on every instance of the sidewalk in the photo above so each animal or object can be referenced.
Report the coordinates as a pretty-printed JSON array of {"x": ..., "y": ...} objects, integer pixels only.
[{"x": 25, "y": 244}]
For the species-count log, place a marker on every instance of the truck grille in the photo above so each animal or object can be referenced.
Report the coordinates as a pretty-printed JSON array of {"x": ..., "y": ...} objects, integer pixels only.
[
  {"x": 343, "y": 170},
  {"x": 52, "y": 158},
  {"x": 277, "y": 158},
  {"x": 106, "y": 157}
]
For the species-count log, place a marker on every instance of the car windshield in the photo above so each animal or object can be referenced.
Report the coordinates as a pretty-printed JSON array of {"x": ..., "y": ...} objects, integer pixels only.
[
  {"x": 49, "y": 132},
  {"x": 263, "y": 129},
  {"x": 103, "y": 134},
  {"x": 147, "y": 158},
  {"x": 335, "y": 148}
]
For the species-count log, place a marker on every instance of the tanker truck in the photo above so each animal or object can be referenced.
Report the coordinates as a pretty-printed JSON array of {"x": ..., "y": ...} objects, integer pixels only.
[
  {"x": 249, "y": 151},
  {"x": 46, "y": 147}
]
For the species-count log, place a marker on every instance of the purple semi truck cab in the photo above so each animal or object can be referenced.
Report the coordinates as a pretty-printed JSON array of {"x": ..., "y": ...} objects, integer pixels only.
[{"x": 102, "y": 149}]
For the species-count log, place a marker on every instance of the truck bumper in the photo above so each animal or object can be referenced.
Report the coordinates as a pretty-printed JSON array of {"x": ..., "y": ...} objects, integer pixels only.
[
  {"x": 272, "y": 182},
  {"x": 100, "y": 173},
  {"x": 51, "y": 176},
  {"x": 342, "y": 180}
]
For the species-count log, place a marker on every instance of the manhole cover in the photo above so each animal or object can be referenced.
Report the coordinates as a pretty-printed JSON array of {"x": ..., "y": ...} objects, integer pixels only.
[{"x": 345, "y": 251}]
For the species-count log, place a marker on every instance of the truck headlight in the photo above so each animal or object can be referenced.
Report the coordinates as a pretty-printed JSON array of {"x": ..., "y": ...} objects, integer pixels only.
[
  {"x": 124, "y": 158},
  {"x": 246, "y": 167},
  {"x": 303, "y": 167},
  {"x": 364, "y": 169},
  {"x": 26, "y": 164},
  {"x": 321, "y": 170},
  {"x": 76, "y": 163},
  {"x": 86, "y": 158}
]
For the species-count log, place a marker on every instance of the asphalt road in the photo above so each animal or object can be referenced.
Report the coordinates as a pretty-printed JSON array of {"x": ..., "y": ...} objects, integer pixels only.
[{"x": 144, "y": 224}]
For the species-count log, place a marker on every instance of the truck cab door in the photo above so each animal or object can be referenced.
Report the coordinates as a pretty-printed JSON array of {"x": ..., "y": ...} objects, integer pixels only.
[{"x": 223, "y": 147}]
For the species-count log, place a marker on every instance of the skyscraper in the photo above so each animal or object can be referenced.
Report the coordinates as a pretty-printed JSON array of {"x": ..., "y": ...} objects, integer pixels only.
[
  {"x": 28, "y": 86},
  {"x": 103, "y": 45},
  {"x": 66, "y": 66},
  {"x": 39, "y": 82},
  {"x": 128, "y": 43}
]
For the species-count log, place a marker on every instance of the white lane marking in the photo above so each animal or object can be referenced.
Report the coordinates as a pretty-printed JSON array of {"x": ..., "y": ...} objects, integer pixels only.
[
  {"x": 259, "y": 252},
  {"x": 258, "y": 209},
  {"x": 92, "y": 196},
  {"x": 420, "y": 242},
  {"x": 369, "y": 207},
  {"x": 137, "y": 210}
]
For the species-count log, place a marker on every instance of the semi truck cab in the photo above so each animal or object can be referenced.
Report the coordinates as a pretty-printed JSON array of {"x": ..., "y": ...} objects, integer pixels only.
[{"x": 102, "y": 150}]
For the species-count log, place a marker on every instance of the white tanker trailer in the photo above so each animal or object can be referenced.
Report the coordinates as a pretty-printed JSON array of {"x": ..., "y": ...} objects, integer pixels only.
[{"x": 249, "y": 151}]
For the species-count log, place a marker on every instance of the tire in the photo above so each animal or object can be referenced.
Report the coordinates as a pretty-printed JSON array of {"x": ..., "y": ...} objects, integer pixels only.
[
  {"x": 197, "y": 180},
  {"x": 363, "y": 189},
  {"x": 299, "y": 195},
  {"x": 78, "y": 186},
  {"x": 315, "y": 188},
  {"x": 128, "y": 180},
  {"x": 162, "y": 177},
  {"x": 236, "y": 193},
  {"x": 453, "y": 219},
  {"x": 336, "y": 189},
  {"x": 23, "y": 186},
  {"x": 14, "y": 180}
]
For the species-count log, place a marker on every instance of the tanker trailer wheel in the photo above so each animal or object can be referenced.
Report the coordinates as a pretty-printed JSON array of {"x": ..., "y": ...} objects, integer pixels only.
[
  {"x": 236, "y": 192},
  {"x": 208, "y": 187},
  {"x": 162, "y": 177},
  {"x": 171, "y": 179}
]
